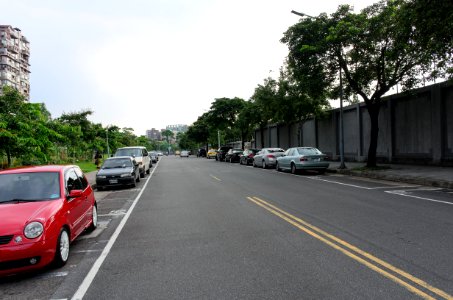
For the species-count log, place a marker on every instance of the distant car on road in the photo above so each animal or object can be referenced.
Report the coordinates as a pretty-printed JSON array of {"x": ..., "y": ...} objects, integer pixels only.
[
  {"x": 247, "y": 156},
  {"x": 42, "y": 210},
  {"x": 119, "y": 170},
  {"x": 221, "y": 152},
  {"x": 233, "y": 155},
  {"x": 212, "y": 153},
  {"x": 302, "y": 158},
  {"x": 153, "y": 155},
  {"x": 184, "y": 153},
  {"x": 140, "y": 155},
  {"x": 201, "y": 152},
  {"x": 267, "y": 157}
]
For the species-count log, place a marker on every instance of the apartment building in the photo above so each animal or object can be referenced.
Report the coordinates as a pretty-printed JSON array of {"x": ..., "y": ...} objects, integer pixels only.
[
  {"x": 14, "y": 60},
  {"x": 153, "y": 134}
]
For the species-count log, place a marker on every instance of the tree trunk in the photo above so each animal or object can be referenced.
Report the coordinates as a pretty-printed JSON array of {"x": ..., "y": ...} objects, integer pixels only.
[
  {"x": 262, "y": 136},
  {"x": 373, "y": 111},
  {"x": 8, "y": 155}
]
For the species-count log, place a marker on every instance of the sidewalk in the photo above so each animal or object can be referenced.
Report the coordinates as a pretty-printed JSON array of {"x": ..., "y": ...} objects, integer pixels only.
[{"x": 414, "y": 174}]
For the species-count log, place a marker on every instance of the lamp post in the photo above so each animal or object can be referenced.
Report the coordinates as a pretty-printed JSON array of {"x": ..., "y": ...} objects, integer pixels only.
[
  {"x": 342, "y": 165},
  {"x": 108, "y": 148}
]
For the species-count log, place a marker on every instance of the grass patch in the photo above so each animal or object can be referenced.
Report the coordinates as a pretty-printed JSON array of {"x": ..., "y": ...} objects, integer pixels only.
[{"x": 86, "y": 166}]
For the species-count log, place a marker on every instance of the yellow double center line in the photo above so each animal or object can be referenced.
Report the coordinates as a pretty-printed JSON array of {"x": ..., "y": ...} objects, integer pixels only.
[{"x": 353, "y": 252}]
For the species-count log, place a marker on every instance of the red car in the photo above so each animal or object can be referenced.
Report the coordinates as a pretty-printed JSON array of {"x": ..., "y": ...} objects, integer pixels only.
[{"x": 42, "y": 210}]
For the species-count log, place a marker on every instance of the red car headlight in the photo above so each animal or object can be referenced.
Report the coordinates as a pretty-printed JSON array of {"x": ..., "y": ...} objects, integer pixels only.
[{"x": 33, "y": 230}]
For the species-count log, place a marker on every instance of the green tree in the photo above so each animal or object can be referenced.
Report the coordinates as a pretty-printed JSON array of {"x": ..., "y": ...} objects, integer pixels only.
[
  {"x": 375, "y": 49},
  {"x": 223, "y": 116},
  {"x": 168, "y": 134},
  {"x": 24, "y": 128},
  {"x": 263, "y": 103}
]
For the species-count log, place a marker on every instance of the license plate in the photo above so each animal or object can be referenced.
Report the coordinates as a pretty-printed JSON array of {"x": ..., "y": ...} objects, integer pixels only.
[
  {"x": 113, "y": 181},
  {"x": 317, "y": 159}
]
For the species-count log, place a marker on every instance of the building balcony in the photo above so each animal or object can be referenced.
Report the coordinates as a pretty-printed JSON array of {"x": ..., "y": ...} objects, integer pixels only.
[
  {"x": 13, "y": 34},
  {"x": 13, "y": 49}
]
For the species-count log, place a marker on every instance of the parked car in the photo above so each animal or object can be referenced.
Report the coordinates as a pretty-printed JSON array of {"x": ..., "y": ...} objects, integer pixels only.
[
  {"x": 140, "y": 155},
  {"x": 212, "y": 153},
  {"x": 247, "y": 156},
  {"x": 160, "y": 153},
  {"x": 233, "y": 155},
  {"x": 118, "y": 170},
  {"x": 267, "y": 157},
  {"x": 153, "y": 155},
  {"x": 184, "y": 153},
  {"x": 201, "y": 152},
  {"x": 42, "y": 210},
  {"x": 221, "y": 152},
  {"x": 302, "y": 158}
]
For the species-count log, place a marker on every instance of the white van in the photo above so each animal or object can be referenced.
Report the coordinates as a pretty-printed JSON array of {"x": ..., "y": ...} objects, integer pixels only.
[{"x": 140, "y": 155}]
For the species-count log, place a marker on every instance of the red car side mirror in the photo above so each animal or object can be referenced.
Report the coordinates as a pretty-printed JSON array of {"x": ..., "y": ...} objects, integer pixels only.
[{"x": 75, "y": 193}]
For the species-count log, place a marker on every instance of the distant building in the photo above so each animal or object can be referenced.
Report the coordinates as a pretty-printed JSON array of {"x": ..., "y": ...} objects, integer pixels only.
[
  {"x": 14, "y": 60},
  {"x": 153, "y": 134},
  {"x": 177, "y": 128}
]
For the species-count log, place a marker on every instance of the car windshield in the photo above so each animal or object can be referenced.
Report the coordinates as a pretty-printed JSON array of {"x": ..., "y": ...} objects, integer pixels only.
[
  {"x": 308, "y": 151},
  {"x": 29, "y": 186},
  {"x": 129, "y": 152},
  {"x": 117, "y": 163}
]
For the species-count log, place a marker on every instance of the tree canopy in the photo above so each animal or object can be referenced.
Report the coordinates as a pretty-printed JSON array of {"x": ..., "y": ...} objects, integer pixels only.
[{"x": 376, "y": 49}]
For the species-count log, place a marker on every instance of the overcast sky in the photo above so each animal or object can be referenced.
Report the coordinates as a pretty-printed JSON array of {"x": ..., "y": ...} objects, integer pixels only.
[{"x": 150, "y": 63}]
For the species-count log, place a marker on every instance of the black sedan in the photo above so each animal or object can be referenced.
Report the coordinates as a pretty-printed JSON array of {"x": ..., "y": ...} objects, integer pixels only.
[
  {"x": 118, "y": 170},
  {"x": 233, "y": 155},
  {"x": 247, "y": 156}
]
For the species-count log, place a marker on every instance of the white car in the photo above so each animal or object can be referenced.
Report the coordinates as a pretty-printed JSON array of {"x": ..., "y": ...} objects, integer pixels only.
[
  {"x": 184, "y": 153},
  {"x": 140, "y": 155}
]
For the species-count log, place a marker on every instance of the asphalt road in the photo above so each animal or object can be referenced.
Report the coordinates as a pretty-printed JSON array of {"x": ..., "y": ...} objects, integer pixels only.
[
  {"x": 201, "y": 229},
  {"x": 204, "y": 229}
]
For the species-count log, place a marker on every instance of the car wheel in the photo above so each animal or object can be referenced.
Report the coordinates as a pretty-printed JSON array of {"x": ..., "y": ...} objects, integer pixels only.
[
  {"x": 149, "y": 169},
  {"x": 231, "y": 160},
  {"x": 277, "y": 166},
  {"x": 293, "y": 169},
  {"x": 62, "y": 250},
  {"x": 264, "y": 165},
  {"x": 99, "y": 188},
  {"x": 94, "y": 218},
  {"x": 142, "y": 174},
  {"x": 322, "y": 171},
  {"x": 254, "y": 164},
  {"x": 138, "y": 178}
]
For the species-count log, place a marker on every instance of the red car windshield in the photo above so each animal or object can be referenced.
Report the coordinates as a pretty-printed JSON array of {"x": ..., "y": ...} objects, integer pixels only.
[{"x": 29, "y": 186}]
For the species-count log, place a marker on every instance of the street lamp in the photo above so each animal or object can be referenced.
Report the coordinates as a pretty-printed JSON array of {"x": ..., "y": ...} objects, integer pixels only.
[
  {"x": 342, "y": 165},
  {"x": 108, "y": 148}
]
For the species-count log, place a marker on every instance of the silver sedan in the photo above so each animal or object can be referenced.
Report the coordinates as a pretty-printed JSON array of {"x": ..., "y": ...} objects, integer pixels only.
[
  {"x": 267, "y": 157},
  {"x": 302, "y": 158}
]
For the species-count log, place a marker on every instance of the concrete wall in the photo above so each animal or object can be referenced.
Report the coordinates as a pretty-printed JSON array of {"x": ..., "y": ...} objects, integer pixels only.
[{"x": 414, "y": 127}]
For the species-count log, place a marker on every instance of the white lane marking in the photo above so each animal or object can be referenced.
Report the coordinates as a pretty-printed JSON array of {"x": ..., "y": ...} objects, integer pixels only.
[
  {"x": 215, "y": 177},
  {"x": 83, "y": 288},
  {"x": 359, "y": 186},
  {"x": 119, "y": 212},
  {"x": 87, "y": 251},
  {"x": 53, "y": 274},
  {"x": 405, "y": 194}
]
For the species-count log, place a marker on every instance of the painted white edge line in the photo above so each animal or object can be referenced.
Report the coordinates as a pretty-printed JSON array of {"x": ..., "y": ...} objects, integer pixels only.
[
  {"x": 403, "y": 193},
  {"x": 83, "y": 288}
]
